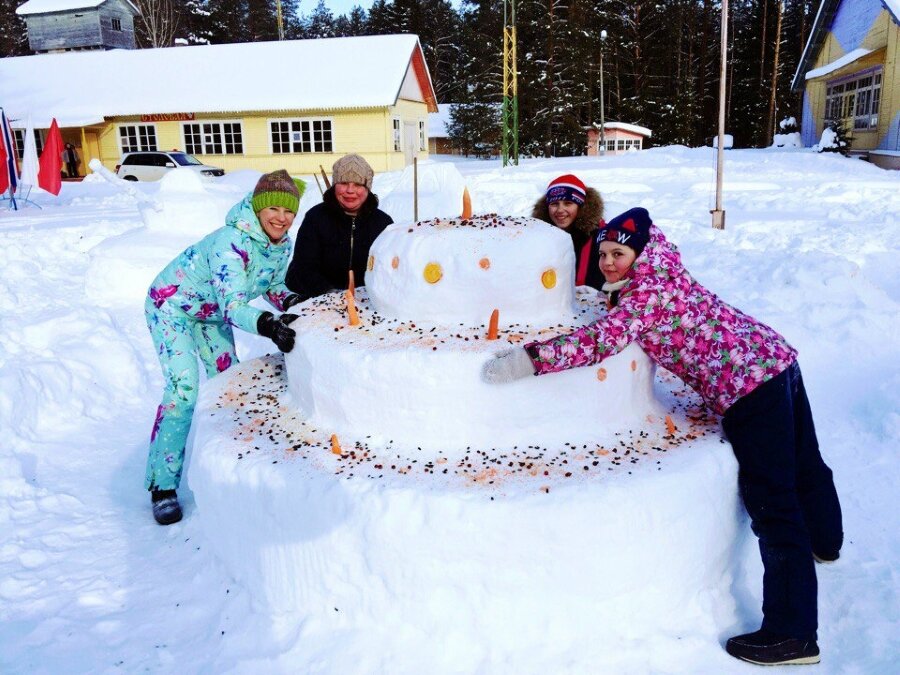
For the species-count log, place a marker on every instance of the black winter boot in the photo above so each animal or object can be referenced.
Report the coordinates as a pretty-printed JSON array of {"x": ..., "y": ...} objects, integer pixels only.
[
  {"x": 768, "y": 649},
  {"x": 166, "y": 509}
]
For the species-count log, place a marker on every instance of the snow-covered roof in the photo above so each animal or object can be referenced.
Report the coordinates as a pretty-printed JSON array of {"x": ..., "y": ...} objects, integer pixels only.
[
  {"x": 849, "y": 57},
  {"x": 438, "y": 121},
  {"x": 290, "y": 75},
  {"x": 48, "y": 6},
  {"x": 633, "y": 128}
]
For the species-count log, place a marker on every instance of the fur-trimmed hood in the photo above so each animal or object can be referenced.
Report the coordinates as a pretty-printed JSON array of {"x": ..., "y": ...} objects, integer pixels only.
[{"x": 589, "y": 214}]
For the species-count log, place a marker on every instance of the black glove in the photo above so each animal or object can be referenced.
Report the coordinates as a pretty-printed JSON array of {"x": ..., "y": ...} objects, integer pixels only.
[
  {"x": 290, "y": 301},
  {"x": 277, "y": 330}
]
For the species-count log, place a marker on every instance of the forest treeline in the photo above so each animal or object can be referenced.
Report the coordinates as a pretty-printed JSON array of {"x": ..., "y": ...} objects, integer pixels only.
[{"x": 660, "y": 59}]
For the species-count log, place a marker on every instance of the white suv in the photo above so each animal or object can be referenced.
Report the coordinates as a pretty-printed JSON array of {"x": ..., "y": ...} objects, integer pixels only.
[{"x": 153, "y": 165}]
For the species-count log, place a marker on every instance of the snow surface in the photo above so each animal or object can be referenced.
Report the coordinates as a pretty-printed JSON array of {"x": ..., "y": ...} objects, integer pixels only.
[
  {"x": 438, "y": 121},
  {"x": 89, "y": 583},
  {"x": 358, "y": 72},
  {"x": 46, "y": 6},
  {"x": 849, "y": 57}
]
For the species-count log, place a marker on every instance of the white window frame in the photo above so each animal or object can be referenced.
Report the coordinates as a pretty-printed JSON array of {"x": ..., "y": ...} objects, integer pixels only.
[
  {"x": 143, "y": 144},
  {"x": 19, "y": 140},
  {"x": 423, "y": 136},
  {"x": 859, "y": 106},
  {"x": 292, "y": 139},
  {"x": 207, "y": 144},
  {"x": 397, "y": 133}
]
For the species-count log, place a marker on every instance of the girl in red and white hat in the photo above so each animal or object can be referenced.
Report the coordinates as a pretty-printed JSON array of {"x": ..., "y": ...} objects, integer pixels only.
[{"x": 578, "y": 210}]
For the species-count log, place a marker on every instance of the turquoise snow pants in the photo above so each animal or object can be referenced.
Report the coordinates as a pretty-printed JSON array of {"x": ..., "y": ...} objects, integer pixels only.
[{"x": 179, "y": 340}]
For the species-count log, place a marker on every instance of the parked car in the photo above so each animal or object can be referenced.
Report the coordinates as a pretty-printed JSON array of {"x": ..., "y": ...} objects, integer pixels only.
[{"x": 147, "y": 165}]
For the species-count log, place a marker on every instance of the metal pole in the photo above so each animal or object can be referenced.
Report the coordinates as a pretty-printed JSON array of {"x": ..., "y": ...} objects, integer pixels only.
[
  {"x": 602, "y": 111},
  {"x": 718, "y": 214},
  {"x": 415, "y": 189}
]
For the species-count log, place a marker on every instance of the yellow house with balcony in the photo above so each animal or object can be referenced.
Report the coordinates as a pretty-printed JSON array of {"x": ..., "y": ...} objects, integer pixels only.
[{"x": 293, "y": 104}]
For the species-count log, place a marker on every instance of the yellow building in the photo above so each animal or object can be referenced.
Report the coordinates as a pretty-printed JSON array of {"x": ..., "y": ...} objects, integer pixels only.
[
  {"x": 850, "y": 70},
  {"x": 293, "y": 104}
]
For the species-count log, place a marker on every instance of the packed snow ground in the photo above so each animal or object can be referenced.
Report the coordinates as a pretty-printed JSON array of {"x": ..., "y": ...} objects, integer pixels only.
[{"x": 90, "y": 583}]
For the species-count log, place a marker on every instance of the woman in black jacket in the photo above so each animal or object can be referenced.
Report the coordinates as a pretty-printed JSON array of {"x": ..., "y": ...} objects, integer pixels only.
[{"x": 335, "y": 236}]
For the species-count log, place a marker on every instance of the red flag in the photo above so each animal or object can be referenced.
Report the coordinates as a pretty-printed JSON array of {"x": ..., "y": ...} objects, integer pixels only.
[
  {"x": 4, "y": 176},
  {"x": 50, "y": 163}
]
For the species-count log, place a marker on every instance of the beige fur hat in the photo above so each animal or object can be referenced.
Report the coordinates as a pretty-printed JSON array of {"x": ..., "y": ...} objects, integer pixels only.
[{"x": 352, "y": 169}]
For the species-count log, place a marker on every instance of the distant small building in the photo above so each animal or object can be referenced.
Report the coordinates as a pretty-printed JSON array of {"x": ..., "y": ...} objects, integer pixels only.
[
  {"x": 619, "y": 136},
  {"x": 76, "y": 25},
  {"x": 438, "y": 136}
]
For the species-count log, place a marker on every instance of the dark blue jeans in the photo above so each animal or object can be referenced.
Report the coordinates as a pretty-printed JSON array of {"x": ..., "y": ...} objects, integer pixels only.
[{"x": 789, "y": 493}]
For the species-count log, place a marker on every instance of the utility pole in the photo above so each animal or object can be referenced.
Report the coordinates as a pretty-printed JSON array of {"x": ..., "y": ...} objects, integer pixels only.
[
  {"x": 510, "y": 113},
  {"x": 718, "y": 214},
  {"x": 602, "y": 102},
  {"x": 279, "y": 19},
  {"x": 770, "y": 126}
]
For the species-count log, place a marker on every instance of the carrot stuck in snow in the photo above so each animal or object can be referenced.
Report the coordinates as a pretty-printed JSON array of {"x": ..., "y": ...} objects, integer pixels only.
[
  {"x": 351, "y": 308},
  {"x": 351, "y": 284},
  {"x": 492, "y": 326},
  {"x": 467, "y": 205},
  {"x": 335, "y": 446},
  {"x": 670, "y": 425}
]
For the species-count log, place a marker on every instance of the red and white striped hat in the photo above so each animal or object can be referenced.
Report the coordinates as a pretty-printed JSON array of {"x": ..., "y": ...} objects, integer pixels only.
[{"x": 566, "y": 188}]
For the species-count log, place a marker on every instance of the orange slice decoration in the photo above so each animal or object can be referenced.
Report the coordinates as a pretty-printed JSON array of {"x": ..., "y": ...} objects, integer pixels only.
[
  {"x": 484, "y": 263},
  {"x": 548, "y": 278},
  {"x": 335, "y": 445},
  {"x": 601, "y": 374},
  {"x": 395, "y": 263},
  {"x": 433, "y": 273},
  {"x": 670, "y": 425},
  {"x": 370, "y": 264},
  {"x": 466, "y": 205}
]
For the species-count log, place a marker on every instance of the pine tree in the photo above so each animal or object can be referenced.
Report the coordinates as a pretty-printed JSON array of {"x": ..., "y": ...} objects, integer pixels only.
[
  {"x": 319, "y": 24},
  {"x": 13, "y": 37}
]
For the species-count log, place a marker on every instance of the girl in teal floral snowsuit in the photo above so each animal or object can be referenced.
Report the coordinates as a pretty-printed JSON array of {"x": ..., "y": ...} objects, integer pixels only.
[{"x": 193, "y": 306}]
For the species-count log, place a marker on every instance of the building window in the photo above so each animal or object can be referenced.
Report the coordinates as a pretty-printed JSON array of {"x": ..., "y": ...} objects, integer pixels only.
[
  {"x": 423, "y": 141},
  {"x": 137, "y": 137},
  {"x": 20, "y": 141},
  {"x": 610, "y": 146},
  {"x": 307, "y": 135},
  {"x": 856, "y": 98},
  {"x": 213, "y": 138},
  {"x": 117, "y": 24},
  {"x": 397, "y": 135}
]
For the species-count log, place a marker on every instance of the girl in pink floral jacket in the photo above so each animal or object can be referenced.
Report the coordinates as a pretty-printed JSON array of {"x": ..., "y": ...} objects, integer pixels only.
[{"x": 748, "y": 373}]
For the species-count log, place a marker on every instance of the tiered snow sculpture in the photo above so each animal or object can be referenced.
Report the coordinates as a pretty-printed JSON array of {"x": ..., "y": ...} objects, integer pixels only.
[{"x": 372, "y": 486}]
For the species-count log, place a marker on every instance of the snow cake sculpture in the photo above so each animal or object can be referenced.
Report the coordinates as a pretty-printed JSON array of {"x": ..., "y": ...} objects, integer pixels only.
[
  {"x": 411, "y": 374},
  {"x": 371, "y": 486}
]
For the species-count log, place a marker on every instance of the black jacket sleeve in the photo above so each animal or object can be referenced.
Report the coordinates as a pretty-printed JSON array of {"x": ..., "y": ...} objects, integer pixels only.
[{"x": 305, "y": 276}]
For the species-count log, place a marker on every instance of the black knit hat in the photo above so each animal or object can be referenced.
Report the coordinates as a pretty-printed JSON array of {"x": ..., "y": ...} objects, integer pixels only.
[
  {"x": 276, "y": 189},
  {"x": 631, "y": 229}
]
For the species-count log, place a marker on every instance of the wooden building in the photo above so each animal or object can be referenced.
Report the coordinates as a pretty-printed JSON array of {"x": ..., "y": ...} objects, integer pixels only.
[
  {"x": 293, "y": 104},
  {"x": 619, "y": 136},
  {"x": 73, "y": 25},
  {"x": 850, "y": 71}
]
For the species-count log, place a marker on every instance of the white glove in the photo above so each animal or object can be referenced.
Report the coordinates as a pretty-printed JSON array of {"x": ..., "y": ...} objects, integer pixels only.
[{"x": 507, "y": 366}]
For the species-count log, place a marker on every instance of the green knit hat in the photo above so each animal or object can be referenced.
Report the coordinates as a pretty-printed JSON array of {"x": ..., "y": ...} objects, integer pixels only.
[{"x": 276, "y": 189}]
